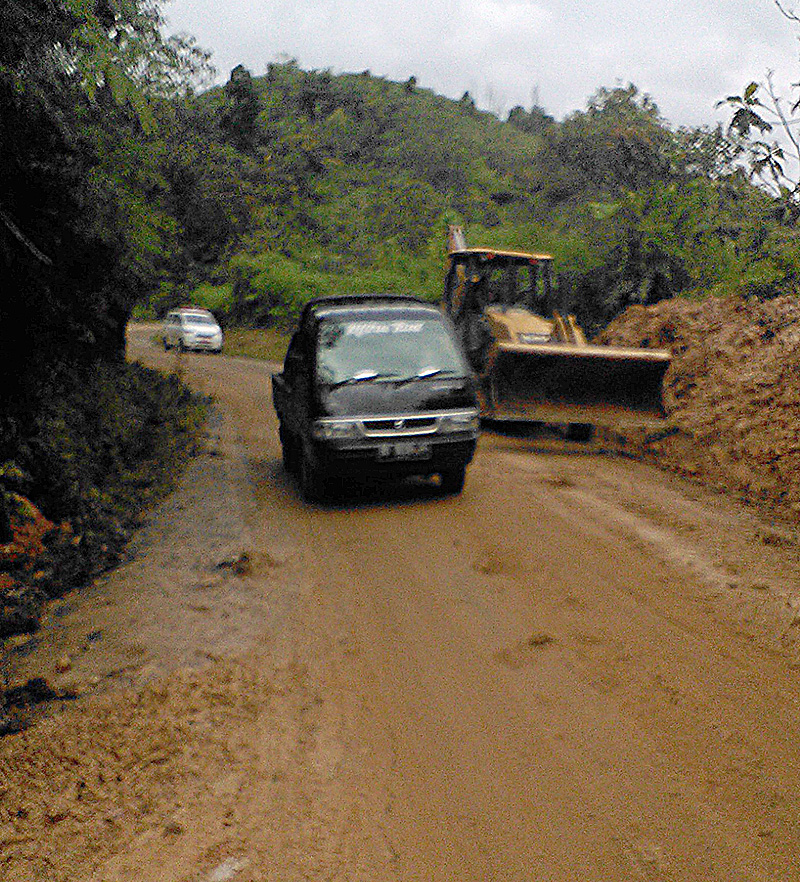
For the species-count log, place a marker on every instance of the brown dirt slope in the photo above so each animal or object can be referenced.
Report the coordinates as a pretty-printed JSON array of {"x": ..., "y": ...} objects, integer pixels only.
[{"x": 732, "y": 393}]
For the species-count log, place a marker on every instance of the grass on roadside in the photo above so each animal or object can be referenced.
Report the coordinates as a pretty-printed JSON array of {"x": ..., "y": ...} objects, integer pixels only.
[{"x": 269, "y": 344}]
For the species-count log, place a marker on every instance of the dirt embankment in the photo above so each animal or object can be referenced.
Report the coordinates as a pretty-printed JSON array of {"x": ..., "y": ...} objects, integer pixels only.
[{"x": 732, "y": 393}]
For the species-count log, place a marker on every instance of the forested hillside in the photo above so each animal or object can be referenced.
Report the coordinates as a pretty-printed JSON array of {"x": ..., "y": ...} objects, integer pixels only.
[
  {"x": 302, "y": 182},
  {"x": 132, "y": 184}
]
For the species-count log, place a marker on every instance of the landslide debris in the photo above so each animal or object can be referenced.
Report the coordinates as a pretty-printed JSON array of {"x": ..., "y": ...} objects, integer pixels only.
[{"x": 732, "y": 393}]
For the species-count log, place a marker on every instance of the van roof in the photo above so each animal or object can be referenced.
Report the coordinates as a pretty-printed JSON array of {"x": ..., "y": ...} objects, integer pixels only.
[{"x": 360, "y": 302}]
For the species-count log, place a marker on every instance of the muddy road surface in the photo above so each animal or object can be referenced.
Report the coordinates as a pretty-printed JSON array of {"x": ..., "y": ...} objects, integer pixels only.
[{"x": 579, "y": 669}]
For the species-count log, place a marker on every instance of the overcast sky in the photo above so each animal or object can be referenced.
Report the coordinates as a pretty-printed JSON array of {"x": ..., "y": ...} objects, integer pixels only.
[{"x": 687, "y": 54}]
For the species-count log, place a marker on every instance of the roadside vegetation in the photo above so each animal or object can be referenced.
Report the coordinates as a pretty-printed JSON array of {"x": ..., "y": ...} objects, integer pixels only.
[
  {"x": 127, "y": 183},
  {"x": 268, "y": 344},
  {"x": 103, "y": 443},
  {"x": 85, "y": 439}
]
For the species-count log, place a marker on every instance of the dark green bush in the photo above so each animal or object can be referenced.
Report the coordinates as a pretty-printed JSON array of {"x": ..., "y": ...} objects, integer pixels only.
[{"x": 91, "y": 446}]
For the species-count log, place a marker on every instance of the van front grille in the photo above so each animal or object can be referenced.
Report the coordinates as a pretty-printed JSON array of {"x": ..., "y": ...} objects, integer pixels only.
[{"x": 410, "y": 425}]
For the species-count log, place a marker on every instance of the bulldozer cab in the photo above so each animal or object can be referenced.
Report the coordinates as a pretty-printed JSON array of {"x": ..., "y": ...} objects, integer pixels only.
[
  {"x": 482, "y": 282},
  {"x": 530, "y": 361},
  {"x": 478, "y": 279}
]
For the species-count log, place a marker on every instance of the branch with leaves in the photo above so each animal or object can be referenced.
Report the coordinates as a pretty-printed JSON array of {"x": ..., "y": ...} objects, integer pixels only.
[
  {"x": 760, "y": 108},
  {"x": 776, "y": 165},
  {"x": 119, "y": 44}
]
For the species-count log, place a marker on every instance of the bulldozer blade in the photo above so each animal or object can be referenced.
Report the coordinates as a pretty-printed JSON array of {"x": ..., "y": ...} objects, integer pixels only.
[{"x": 561, "y": 383}]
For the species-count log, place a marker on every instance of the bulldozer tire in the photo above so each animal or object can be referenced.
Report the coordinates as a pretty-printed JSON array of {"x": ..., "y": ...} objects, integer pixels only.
[
  {"x": 580, "y": 431},
  {"x": 453, "y": 480}
]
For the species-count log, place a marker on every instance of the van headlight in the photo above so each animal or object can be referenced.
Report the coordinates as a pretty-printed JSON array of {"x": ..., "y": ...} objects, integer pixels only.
[
  {"x": 336, "y": 429},
  {"x": 462, "y": 421}
]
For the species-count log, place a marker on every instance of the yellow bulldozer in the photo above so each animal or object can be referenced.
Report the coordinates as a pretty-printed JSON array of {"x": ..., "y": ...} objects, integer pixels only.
[{"x": 531, "y": 362}]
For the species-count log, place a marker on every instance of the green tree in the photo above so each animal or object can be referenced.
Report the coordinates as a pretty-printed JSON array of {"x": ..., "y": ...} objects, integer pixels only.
[
  {"x": 238, "y": 116},
  {"x": 761, "y": 109},
  {"x": 759, "y": 112},
  {"x": 620, "y": 143},
  {"x": 79, "y": 80},
  {"x": 535, "y": 121}
]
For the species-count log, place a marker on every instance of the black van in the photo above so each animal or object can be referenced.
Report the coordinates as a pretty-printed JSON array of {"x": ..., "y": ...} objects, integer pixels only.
[{"x": 375, "y": 386}]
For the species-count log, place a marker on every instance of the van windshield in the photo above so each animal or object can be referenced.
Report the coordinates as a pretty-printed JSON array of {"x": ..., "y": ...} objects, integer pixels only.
[
  {"x": 198, "y": 318},
  {"x": 386, "y": 349}
]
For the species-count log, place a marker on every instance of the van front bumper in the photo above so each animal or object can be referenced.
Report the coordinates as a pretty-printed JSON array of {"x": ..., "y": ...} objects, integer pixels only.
[{"x": 398, "y": 458}]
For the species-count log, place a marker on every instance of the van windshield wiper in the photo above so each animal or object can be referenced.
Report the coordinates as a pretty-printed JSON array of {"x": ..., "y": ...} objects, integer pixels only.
[
  {"x": 427, "y": 373},
  {"x": 362, "y": 377}
]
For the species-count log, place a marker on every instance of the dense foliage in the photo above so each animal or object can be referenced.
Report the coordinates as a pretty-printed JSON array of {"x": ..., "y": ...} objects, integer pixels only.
[
  {"x": 85, "y": 232},
  {"x": 302, "y": 182},
  {"x": 104, "y": 441}
]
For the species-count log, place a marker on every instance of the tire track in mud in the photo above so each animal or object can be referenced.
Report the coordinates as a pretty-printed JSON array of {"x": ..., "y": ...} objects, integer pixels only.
[{"x": 542, "y": 678}]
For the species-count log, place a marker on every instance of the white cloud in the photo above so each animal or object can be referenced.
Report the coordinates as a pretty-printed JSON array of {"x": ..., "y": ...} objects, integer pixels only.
[
  {"x": 506, "y": 17},
  {"x": 687, "y": 55}
]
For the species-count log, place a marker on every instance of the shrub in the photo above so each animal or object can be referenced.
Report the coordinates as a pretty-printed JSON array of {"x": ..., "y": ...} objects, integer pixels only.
[{"x": 93, "y": 446}]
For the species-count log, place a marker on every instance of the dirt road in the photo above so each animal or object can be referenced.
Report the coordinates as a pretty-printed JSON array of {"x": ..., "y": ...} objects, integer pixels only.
[{"x": 580, "y": 669}]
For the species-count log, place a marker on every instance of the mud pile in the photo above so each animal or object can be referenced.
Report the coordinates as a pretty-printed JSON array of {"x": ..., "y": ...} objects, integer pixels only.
[{"x": 732, "y": 393}]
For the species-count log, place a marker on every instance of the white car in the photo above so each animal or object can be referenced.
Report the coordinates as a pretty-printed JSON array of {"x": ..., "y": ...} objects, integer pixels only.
[{"x": 191, "y": 328}]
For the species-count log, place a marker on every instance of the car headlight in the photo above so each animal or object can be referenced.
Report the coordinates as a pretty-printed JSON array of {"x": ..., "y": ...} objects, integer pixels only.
[
  {"x": 464, "y": 421},
  {"x": 333, "y": 429}
]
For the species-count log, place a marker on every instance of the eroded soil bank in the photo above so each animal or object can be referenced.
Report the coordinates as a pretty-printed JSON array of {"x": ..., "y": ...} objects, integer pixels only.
[{"x": 732, "y": 393}]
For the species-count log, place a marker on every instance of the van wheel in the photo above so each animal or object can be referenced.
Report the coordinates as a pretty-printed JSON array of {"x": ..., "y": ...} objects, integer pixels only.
[
  {"x": 288, "y": 450},
  {"x": 453, "y": 480},
  {"x": 312, "y": 483},
  {"x": 580, "y": 431}
]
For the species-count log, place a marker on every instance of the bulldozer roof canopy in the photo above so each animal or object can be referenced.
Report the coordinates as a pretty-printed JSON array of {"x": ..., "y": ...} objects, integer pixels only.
[{"x": 488, "y": 253}]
